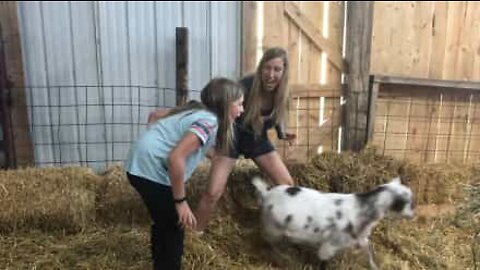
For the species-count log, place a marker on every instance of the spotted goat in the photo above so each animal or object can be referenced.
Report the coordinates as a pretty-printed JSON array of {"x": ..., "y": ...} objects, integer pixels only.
[{"x": 329, "y": 221}]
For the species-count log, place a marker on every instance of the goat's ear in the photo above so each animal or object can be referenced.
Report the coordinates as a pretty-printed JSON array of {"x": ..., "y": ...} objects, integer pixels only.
[{"x": 396, "y": 180}]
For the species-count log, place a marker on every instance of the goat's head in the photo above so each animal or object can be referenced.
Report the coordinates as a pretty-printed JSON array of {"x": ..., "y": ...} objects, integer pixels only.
[{"x": 402, "y": 198}]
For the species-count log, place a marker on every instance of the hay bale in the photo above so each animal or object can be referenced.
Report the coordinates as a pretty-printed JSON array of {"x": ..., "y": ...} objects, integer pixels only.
[
  {"x": 358, "y": 172},
  {"x": 117, "y": 202},
  {"x": 469, "y": 211},
  {"x": 233, "y": 239},
  {"x": 468, "y": 216},
  {"x": 197, "y": 184},
  {"x": 355, "y": 172},
  {"x": 47, "y": 199},
  {"x": 103, "y": 248}
]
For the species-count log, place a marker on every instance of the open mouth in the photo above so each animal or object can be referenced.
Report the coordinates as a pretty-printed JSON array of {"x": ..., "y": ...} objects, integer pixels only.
[{"x": 271, "y": 84}]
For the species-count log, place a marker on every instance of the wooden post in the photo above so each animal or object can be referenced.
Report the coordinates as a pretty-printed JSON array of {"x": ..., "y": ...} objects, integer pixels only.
[
  {"x": 373, "y": 96},
  {"x": 359, "y": 37},
  {"x": 182, "y": 65},
  {"x": 7, "y": 152},
  {"x": 13, "y": 67}
]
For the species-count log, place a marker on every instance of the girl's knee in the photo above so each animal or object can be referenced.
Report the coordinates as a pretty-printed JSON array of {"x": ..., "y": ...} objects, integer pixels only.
[{"x": 212, "y": 196}]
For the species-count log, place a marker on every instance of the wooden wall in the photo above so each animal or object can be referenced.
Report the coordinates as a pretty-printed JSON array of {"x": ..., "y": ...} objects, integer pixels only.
[
  {"x": 299, "y": 27},
  {"x": 427, "y": 39},
  {"x": 428, "y": 121},
  {"x": 306, "y": 30},
  {"x": 437, "y": 43}
]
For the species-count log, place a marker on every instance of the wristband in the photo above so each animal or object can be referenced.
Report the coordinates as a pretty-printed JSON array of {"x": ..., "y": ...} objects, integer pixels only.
[{"x": 179, "y": 200}]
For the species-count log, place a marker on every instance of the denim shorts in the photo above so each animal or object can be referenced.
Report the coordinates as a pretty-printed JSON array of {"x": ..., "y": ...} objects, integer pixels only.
[{"x": 249, "y": 145}]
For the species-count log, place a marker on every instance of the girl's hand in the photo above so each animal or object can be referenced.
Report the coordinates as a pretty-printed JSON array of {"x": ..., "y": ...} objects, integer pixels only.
[
  {"x": 186, "y": 219},
  {"x": 155, "y": 115},
  {"x": 290, "y": 138}
]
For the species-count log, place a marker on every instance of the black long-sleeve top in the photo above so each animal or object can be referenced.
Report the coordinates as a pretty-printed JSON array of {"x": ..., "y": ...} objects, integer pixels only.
[{"x": 247, "y": 83}]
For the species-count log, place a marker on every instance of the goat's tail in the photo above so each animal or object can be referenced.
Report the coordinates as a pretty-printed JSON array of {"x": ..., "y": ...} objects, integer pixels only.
[{"x": 261, "y": 187}]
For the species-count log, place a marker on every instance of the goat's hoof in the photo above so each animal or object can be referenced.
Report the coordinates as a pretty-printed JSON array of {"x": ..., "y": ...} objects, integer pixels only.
[{"x": 323, "y": 264}]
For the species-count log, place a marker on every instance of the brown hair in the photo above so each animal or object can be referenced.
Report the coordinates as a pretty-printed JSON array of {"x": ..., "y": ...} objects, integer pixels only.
[{"x": 217, "y": 97}]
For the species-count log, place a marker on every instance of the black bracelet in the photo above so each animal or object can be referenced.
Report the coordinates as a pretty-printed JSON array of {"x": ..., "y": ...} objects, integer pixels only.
[{"x": 179, "y": 200}]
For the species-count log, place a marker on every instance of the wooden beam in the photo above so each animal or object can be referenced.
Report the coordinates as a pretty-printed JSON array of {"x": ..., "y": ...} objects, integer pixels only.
[
  {"x": 440, "y": 84},
  {"x": 359, "y": 37},
  {"x": 182, "y": 65},
  {"x": 249, "y": 36},
  {"x": 334, "y": 53},
  {"x": 316, "y": 90},
  {"x": 12, "y": 50}
]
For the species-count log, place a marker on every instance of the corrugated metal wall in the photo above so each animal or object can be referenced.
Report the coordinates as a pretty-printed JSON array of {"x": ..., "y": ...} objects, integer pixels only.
[{"x": 95, "y": 69}]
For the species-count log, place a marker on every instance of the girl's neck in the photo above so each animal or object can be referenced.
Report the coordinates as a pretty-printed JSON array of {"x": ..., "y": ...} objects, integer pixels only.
[
  {"x": 267, "y": 100},
  {"x": 264, "y": 94}
]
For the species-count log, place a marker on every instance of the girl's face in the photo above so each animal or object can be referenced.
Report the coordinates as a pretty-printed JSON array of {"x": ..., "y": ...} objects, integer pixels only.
[
  {"x": 272, "y": 73},
  {"x": 236, "y": 109}
]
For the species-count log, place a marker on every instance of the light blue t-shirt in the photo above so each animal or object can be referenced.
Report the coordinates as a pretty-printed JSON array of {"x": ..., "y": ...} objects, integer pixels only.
[{"x": 148, "y": 157}]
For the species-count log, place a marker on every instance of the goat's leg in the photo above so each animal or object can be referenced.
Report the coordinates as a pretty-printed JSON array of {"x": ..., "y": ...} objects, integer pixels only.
[
  {"x": 326, "y": 251},
  {"x": 371, "y": 262},
  {"x": 277, "y": 244},
  {"x": 323, "y": 265},
  {"x": 366, "y": 245}
]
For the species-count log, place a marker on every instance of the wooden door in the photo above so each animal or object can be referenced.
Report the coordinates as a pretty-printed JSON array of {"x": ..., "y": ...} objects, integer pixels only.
[{"x": 312, "y": 33}]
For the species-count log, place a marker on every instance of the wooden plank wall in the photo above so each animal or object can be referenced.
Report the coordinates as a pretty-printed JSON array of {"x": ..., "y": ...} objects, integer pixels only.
[
  {"x": 427, "y": 39},
  {"x": 428, "y": 124},
  {"x": 315, "y": 83},
  {"x": 436, "y": 41}
]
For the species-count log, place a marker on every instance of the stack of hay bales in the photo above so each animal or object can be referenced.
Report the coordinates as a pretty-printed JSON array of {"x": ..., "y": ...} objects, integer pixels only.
[
  {"x": 107, "y": 219},
  {"x": 468, "y": 216},
  {"x": 67, "y": 198},
  {"x": 117, "y": 202},
  {"x": 47, "y": 199},
  {"x": 360, "y": 172}
]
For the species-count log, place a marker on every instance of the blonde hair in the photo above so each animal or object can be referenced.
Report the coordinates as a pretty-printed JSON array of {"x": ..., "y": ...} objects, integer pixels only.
[{"x": 282, "y": 94}]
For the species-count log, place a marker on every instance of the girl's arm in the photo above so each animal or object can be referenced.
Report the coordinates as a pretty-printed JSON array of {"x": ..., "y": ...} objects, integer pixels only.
[
  {"x": 157, "y": 114},
  {"x": 176, "y": 164},
  {"x": 282, "y": 134}
]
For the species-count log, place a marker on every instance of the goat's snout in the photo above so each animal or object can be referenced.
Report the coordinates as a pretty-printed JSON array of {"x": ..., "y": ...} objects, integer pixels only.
[{"x": 408, "y": 212}]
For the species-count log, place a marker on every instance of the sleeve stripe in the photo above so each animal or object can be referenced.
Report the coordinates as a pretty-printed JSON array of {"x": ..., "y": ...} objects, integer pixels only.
[
  {"x": 203, "y": 129},
  {"x": 204, "y": 123},
  {"x": 200, "y": 135}
]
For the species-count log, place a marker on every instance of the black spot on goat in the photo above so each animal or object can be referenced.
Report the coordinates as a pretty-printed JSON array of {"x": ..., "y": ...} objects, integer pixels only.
[{"x": 292, "y": 191}]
